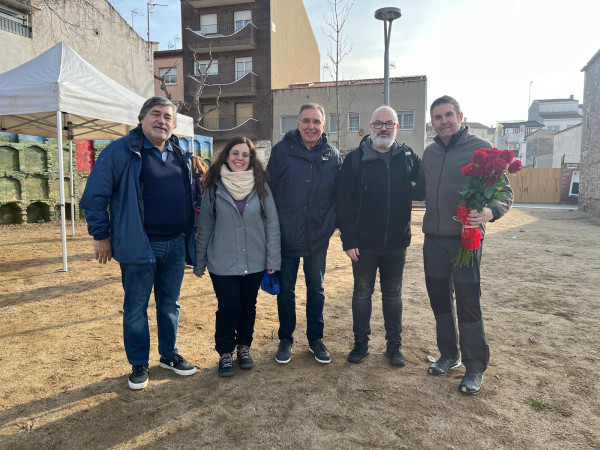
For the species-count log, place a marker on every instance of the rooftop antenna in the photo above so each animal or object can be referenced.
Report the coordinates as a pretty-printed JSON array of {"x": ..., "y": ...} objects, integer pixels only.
[
  {"x": 134, "y": 12},
  {"x": 150, "y": 6}
]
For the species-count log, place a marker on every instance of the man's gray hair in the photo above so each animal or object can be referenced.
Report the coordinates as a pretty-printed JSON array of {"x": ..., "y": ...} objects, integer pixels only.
[
  {"x": 153, "y": 101},
  {"x": 385, "y": 108},
  {"x": 312, "y": 106}
]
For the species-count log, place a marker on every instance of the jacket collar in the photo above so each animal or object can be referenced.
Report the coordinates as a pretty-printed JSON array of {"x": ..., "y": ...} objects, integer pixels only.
[
  {"x": 370, "y": 154},
  {"x": 297, "y": 147},
  {"x": 135, "y": 142},
  {"x": 460, "y": 137}
]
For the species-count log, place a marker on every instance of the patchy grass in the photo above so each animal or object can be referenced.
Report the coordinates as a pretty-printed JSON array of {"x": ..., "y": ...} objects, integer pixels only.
[{"x": 537, "y": 404}]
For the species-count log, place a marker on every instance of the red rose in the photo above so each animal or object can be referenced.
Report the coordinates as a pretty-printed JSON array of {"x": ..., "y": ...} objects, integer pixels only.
[
  {"x": 507, "y": 156},
  {"x": 468, "y": 170},
  {"x": 480, "y": 157},
  {"x": 491, "y": 180},
  {"x": 514, "y": 167},
  {"x": 499, "y": 165}
]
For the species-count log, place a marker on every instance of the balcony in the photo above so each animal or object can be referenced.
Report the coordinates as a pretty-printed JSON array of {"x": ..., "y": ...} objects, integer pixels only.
[
  {"x": 230, "y": 84},
  {"x": 14, "y": 27},
  {"x": 224, "y": 38},
  {"x": 222, "y": 128},
  {"x": 207, "y": 3}
]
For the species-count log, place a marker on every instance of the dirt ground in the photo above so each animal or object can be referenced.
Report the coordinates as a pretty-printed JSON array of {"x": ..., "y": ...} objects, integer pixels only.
[{"x": 63, "y": 368}]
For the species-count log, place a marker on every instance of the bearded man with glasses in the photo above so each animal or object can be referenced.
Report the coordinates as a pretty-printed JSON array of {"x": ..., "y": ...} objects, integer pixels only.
[{"x": 373, "y": 208}]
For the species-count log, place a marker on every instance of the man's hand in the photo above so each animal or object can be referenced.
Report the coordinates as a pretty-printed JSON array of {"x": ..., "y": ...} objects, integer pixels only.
[
  {"x": 476, "y": 218},
  {"x": 353, "y": 254},
  {"x": 102, "y": 250}
]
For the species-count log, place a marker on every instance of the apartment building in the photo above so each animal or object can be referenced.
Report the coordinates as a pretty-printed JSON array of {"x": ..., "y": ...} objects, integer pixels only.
[
  {"x": 357, "y": 101},
  {"x": 243, "y": 50}
]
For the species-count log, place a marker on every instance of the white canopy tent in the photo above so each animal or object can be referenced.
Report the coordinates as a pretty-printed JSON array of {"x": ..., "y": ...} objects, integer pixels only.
[{"x": 60, "y": 91}]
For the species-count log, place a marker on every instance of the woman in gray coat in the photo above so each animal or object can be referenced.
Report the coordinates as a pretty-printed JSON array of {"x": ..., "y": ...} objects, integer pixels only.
[{"x": 237, "y": 240}]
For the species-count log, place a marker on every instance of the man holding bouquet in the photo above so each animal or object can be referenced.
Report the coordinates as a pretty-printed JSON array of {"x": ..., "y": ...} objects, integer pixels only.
[{"x": 440, "y": 181}]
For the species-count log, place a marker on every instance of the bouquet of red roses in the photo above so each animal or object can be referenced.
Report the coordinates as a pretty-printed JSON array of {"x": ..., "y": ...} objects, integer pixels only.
[{"x": 487, "y": 179}]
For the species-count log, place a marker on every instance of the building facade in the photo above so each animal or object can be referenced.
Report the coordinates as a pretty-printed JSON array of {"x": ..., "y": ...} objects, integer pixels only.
[
  {"x": 241, "y": 51},
  {"x": 556, "y": 114},
  {"x": 589, "y": 192},
  {"x": 540, "y": 148},
  {"x": 567, "y": 147},
  {"x": 168, "y": 64},
  {"x": 513, "y": 136},
  {"x": 357, "y": 101},
  {"x": 93, "y": 28}
]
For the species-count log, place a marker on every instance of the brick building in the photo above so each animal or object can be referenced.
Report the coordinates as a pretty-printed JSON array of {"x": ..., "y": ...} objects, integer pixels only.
[{"x": 256, "y": 46}]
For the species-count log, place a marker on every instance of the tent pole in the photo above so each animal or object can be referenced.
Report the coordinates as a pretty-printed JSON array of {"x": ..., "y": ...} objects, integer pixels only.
[
  {"x": 72, "y": 189},
  {"x": 61, "y": 189}
]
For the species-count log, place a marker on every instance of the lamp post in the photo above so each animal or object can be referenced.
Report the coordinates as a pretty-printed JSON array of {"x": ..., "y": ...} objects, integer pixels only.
[{"x": 388, "y": 15}]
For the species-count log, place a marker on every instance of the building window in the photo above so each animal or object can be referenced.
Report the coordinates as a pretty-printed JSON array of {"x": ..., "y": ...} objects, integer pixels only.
[
  {"x": 406, "y": 120},
  {"x": 242, "y": 66},
  {"x": 241, "y": 18},
  {"x": 208, "y": 23},
  {"x": 169, "y": 74},
  {"x": 210, "y": 119},
  {"x": 243, "y": 112},
  {"x": 554, "y": 127},
  {"x": 201, "y": 67},
  {"x": 333, "y": 123},
  {"x": 288, "y": 123},
  {"x": 353, "y": 122}
]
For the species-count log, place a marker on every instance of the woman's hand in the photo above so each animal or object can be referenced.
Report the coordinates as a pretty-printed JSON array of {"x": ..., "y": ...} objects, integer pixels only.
[
  {"x": 199, "y": 275},
  {"x": 271, "y": 271}
]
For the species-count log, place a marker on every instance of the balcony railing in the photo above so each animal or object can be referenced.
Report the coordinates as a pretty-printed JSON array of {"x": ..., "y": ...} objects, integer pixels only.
[
  {"x": 224, "y": 37},
  {"x": 15, "y": 27},
  {"x": 226, "y": 123},
  {"x": 230, "y": 84}
]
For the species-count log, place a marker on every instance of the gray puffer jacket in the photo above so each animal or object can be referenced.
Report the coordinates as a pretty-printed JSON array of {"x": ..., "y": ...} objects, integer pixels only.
[{"x": 230, "y": 244}]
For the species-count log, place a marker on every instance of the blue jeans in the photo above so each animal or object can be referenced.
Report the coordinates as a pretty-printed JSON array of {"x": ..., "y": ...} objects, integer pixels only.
[
  {"x": 314, "y": 271},
  {"x": 166, "y": 275},
  {"x": 391, "y": 269}
]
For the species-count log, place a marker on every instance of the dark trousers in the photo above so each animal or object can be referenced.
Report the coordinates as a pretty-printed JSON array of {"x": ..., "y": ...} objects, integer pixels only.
[
  {"x": 391, "y": 268},
  {"x": 314, "y": 272},
  {"x": 236, "y": 311},
  {"x": 444, "y": 281}
]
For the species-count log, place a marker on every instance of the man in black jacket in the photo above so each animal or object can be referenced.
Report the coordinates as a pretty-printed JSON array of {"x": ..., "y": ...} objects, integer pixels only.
[
  {"x": 373, "y": 209},
  {"x": 303, "y": 168}
]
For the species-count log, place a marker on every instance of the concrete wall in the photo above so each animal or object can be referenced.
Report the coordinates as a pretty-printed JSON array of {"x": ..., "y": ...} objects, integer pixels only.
[
  {"x": 540, "y": 146},
  {"x": 362, "y": 99},
  {"x": 101, "y": 36},
  {"x": 567, "y": 146},
  {"x": 589, "y": 191},
  {"x": 295, "y": 53}
]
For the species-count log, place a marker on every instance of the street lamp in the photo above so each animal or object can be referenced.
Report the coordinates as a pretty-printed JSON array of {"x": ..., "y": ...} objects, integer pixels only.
[{"x": 388, "y": 15}]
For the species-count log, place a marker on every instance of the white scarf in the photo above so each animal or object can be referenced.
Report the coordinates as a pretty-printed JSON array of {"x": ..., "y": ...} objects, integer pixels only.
[{"x": 238, "y": 184}]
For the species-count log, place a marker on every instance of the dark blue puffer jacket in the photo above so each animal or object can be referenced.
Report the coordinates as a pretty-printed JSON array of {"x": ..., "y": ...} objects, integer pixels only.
[
  {"x": 303, "y": 186},
  {"x": 113, "y": 205}
]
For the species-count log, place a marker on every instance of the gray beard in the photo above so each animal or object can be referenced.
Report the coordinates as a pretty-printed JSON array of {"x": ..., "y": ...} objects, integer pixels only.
[{"x": 382, "y": 142}]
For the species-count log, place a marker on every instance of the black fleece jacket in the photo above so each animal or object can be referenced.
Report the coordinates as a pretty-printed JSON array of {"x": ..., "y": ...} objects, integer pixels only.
[{"x": 374, "y": 200}]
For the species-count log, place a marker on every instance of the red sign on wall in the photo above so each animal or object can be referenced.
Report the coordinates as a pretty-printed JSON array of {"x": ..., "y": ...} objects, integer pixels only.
[{"x": 84, "y": 154}]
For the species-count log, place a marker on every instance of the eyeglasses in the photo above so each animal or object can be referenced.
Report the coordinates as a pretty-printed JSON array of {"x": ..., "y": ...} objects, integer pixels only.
[
  {"x": 379, "y": 125},
  {"x": 235, "y": 154}
]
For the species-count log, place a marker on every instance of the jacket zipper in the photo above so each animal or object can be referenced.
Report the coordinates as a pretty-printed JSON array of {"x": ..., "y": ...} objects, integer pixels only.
[
  {"x": 387, "y": 222},
  {"x": 437, "y": 205}
]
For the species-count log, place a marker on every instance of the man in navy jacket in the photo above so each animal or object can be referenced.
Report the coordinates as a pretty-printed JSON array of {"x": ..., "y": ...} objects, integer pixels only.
[
  {"x": 374, "y": 204},
  {"x": 302, "y": 170},
  {"x": 138, "y": 208}
]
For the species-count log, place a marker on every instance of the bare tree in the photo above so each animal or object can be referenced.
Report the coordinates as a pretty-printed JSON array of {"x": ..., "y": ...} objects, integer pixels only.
[
  {"x": 338, "y": 47},
  {"x": 200, "y": 80}
]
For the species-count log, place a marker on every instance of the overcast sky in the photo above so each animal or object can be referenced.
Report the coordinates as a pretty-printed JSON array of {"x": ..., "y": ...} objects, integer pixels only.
[{"x": 483, "y": 52}]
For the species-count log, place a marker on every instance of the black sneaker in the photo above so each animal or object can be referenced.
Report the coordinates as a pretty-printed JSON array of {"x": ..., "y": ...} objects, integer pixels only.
[
  {"x": 243, "y": 356},
  {"x": 443, "y": 365},
  {"x": 177, "y": 364},
  {"x": 395, "y": 356},
  {"x": 358, "y": 353},
  {"x": 284, "y": 352},
  {"x": 138, "y": 378},
  {"x": 318, "y": 349},
  {"x": 471, "y": 383},
  {"x": 226, "y": 365}
]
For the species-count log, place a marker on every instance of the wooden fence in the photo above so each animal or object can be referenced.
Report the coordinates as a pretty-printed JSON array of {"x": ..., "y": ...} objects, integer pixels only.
[{"x": 536, "y": 185}]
